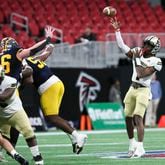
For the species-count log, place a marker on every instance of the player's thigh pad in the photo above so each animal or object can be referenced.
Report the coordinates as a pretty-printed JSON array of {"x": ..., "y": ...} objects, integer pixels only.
[
  {"x": 51, "y": 99},
  {"x": 129, "y": 102},
  {"x": 21, "y": 122},
  {"x": 142, "y": 101}
]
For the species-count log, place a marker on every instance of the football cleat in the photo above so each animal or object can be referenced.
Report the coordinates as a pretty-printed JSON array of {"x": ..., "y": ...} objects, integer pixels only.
[
  {"x": 19, "y": 158},
  {"x": 73, "y": 141},
  {"x": 80, "y": 142},
  {"x": 132, "y": 148},
  {"x": 38, "y": 160},
  {"x": 139, "y": 152},
  {"x": 74, "y": 146}
]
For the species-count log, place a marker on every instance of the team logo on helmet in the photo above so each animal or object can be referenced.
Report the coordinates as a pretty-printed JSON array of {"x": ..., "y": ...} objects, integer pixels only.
[
  {"x": 153, "y": 41},
  {"x": 8, "y": 43},
  {"x": 89, "y": 87}
]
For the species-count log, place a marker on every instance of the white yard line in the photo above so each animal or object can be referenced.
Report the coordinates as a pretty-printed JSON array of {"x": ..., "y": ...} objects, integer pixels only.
[
  {"x": 97, "y": 131},
  {"x": 105, "y": 155},
  {"x": 68, "y": 145}
]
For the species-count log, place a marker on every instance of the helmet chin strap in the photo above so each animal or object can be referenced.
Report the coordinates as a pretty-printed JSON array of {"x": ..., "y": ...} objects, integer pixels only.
[{"x": 146, "y": 52}]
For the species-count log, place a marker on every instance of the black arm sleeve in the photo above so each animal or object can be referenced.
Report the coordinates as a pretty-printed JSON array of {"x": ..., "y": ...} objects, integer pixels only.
[{"x": 39, "y": 48}]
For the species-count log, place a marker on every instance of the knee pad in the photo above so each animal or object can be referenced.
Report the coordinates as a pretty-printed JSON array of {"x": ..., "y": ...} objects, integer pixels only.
[
  {"x": 127, "y": 113},
  {"x": 27, "y": 132}
]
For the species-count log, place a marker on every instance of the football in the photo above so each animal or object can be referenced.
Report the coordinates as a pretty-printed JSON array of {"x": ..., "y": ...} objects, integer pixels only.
[{"x": 109, "y": 11}]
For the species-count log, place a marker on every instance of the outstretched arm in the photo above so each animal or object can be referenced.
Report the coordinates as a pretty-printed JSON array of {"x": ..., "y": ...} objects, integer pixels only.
[
  {"x": 116, "y": 25},
  {"x": 38, "y": 46},
  {"x": 46, "y": 53}
]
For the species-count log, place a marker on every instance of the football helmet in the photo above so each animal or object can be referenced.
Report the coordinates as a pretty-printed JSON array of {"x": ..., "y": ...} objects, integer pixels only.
[
  {"x": 8, "y": 43},
  {"x": 154, "y": 42}
]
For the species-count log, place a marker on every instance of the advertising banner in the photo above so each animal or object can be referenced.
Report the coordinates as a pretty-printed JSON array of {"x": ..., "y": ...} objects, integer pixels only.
[{"x": 106, "y": 115}]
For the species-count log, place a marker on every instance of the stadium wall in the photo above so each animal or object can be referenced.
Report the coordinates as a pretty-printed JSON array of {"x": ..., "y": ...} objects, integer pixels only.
[{"x": 87, "y": 85}]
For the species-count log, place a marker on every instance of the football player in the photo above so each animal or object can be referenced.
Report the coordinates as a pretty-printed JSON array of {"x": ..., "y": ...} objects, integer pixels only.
[
  {"x": 13, "y": 114},
  {"x": 11, "y": 59},
  {"x": 12, "y": 54},
  {"x": 145, "y": 64},
  {"x": 50, "y": 86}
]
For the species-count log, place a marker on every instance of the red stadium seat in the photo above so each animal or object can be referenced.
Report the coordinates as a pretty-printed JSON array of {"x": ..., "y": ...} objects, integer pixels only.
[
  {"x": 69, "y": 38},
  {"x": 30, "y": 42},
  {"x": 34, "y": 29},
  {"x": 7, "y": 31},
  {"x": 75, "y": 15},
  {"x": 1, "y": 17}
]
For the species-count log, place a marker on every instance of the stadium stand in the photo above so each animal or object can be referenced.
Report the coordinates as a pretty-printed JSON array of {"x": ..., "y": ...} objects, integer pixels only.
[{"x": 72, "y": 16}]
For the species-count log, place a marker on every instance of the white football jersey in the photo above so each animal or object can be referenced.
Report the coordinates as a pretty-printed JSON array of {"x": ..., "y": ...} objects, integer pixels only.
[
  {"x": 13, "y": 104},
  {"x": 145, "y": 62}
]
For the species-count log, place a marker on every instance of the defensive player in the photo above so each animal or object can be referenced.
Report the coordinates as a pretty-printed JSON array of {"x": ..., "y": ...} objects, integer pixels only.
[
  {"x": 11, "y": 59},
  {"x": 50, "y": 86},
  {"x": 12, "y": 53},
  {"x": 145, "y": 64}
]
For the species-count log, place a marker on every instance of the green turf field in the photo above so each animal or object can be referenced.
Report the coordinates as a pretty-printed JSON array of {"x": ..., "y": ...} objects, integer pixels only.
[{"x": 101, "y": 146}]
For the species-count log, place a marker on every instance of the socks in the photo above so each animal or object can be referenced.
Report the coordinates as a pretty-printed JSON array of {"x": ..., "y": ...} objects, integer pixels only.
[
  {"x": 140, "y": 144},
  {"x": 75, "y": 134},
  {"x": 72, "y": 139},
  {"x": 13, "y": 152},
  {"x": 131, "y": 141},
  {"x": 35, "y": 150}
]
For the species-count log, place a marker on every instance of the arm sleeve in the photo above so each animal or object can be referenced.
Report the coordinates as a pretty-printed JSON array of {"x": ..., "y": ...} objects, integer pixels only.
[
  {"x": 39, "y": 48},
  {"x": 120, "y": 42}
]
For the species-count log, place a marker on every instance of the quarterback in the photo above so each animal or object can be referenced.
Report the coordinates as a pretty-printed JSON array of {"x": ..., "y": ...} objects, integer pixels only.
[{"x": 145, "y": 64}]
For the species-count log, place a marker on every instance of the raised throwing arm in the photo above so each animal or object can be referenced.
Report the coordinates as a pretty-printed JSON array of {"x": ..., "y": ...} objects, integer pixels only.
[{"x": 116, "y": 25}]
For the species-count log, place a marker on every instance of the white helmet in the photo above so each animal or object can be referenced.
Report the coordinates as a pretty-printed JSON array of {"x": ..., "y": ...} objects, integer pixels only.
[{"x": 154, "y": 42}]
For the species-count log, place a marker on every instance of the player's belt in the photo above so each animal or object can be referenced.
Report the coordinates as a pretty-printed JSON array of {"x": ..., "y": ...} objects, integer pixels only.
[{"x": 137, "y": 85}]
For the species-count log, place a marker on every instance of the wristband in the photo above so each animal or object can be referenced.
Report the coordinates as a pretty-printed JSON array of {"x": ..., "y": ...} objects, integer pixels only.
[
  {"x": 117, "y": 30},
  {"x": 48, "y": 39}
]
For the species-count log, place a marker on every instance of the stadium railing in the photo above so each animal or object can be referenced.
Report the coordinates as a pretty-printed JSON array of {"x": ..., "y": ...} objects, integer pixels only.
[
  {"x": 19, "y": 20},
  {"x": 97, "y": 54}
]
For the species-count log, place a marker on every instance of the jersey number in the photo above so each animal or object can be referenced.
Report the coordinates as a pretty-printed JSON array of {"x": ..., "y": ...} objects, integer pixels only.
[
  {"x": 5, "y": 62},
  {"x": 40, "y": 64}
]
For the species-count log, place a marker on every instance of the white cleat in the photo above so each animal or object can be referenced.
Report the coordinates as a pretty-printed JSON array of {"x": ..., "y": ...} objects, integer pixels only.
[
  {"x": 139, "y": 152},
  {"x": 80, "y": 142},
  {"x": 132, "y": 148}
]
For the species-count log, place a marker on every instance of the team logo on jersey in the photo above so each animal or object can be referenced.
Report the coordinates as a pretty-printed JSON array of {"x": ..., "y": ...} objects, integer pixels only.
[{"x": 89, "y": 87}]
